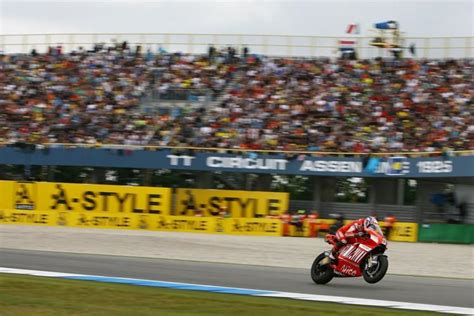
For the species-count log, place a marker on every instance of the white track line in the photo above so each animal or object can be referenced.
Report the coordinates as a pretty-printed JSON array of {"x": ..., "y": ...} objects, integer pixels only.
[{"x": 251, "y": 292}]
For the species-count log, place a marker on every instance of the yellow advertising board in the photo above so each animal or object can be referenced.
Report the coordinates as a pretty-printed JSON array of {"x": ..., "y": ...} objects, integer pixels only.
[
  {"x": 253, "y": 226},
  {"x": 404, "y": 232},
  {"x": 103, "y": 198},
  {"x": 20, "y": 217},
  {"x": 25, "y": 195},
  {"x": 97, "y": 220},
  {"x": 183, "y": 224},
  {"x": 237, "y": 203},
  {"x": 6, "y": 194},
  {"x": 18, "y": 195}
]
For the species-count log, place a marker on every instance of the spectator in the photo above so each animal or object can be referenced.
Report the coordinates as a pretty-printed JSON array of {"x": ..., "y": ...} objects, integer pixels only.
[
  {"x": 389, "y": 221},
  {"x": 286, "y": 220}
]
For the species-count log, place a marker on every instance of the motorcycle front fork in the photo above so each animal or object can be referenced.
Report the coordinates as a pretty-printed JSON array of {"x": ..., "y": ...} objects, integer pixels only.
[{"x": 371, "y": 261}]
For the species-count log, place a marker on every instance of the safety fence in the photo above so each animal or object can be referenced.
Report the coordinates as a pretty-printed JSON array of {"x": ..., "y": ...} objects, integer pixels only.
[
  {"x": 266, "y": 44},
  {"x": 149, "y": 208}
]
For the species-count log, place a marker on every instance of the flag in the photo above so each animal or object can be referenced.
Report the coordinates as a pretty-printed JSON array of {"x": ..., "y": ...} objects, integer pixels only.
[{"x": 353, "y": 29}]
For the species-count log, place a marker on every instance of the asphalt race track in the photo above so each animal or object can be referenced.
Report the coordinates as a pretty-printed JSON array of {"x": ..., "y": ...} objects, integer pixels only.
[{"x": 438, "y": 291}]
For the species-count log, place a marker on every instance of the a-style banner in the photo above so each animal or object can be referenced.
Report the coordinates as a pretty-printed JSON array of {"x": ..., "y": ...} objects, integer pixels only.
[
  {"x": 6, "y": 194},
  {"x": 253, "y": 226},
  {"x": 236, "y": 226},
  {"x": 195, "y": 224},
  {"x": 71, "y": 197},
  {"x": 236, "y": 203},
  {"x": 19, "y": 217},
  {"x": 182, "y": 223}
]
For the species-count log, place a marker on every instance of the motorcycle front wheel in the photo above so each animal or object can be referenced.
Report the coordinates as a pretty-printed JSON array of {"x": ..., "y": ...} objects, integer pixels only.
[
  {"x": 321, "y": 273},
  {"x": 377, "y": 271}
]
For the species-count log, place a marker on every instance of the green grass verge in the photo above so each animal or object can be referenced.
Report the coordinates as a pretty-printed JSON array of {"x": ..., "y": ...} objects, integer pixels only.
[{"x": 27, "y": 295}]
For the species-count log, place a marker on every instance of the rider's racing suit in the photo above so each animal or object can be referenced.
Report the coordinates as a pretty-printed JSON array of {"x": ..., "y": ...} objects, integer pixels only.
[{"x": 346, "y": 234}]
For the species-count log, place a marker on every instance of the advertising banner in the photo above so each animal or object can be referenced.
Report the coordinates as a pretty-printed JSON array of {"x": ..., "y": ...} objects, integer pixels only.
[
  {"x": 6, "y": 194},
  {"x": 99, "y": 198},
  {"x": 403, "y": 232},
  {"x": 25, "y": 196},
  {"x": 18, "y": 217},
  {"x": 445, "y": 166},
  {"x": 183, "y": 223},
  {"x": 253, "y": 226},
  {"x": 236, "y": 203},
  {"x": 97, "y": 220}
]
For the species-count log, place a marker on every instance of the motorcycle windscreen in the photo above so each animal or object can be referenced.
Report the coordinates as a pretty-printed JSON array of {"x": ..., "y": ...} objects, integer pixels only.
[{"x": 376, "y": 228}]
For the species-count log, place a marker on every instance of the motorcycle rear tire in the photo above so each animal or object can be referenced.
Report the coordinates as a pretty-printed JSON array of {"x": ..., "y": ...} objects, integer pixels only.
[
  {"x": 383, "y": 262},
  {"x": 321, "y": 278}
]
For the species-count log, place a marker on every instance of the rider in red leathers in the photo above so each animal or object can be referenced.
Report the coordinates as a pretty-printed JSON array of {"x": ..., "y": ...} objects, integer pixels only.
[{"x": 347, "y": 233}]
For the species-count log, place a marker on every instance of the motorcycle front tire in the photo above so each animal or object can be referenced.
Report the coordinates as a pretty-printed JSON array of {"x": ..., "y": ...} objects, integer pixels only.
[
  {"x": 321, "y": 276},
  {"x": 379, "y": 274}
]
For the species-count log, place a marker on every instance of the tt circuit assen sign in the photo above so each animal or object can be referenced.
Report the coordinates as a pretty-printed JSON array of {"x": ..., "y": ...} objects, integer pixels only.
[
  {"x": 304, "y": 165},
  {"x": 394, "y": 166}
]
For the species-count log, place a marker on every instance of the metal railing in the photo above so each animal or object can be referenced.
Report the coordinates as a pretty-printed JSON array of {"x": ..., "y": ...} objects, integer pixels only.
[
  {"x": 262, "y": 151},
  {"x": 271, "y": 45}
]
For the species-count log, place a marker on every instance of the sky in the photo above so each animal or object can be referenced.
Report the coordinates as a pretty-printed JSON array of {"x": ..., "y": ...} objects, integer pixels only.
[{"x": 292, "y": 17}]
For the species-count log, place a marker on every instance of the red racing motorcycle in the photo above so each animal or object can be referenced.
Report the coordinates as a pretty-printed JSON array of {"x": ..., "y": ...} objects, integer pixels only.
[{"x": 365, "y": 257}]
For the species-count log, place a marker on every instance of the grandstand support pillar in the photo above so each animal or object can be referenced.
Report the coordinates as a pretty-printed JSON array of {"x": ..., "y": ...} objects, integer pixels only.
[
  {"x": 372, "y": 192},
  {"x": 328, "y": 189},
  {"x": 51, "y": 173},
  {"x": 2, "y": 172},
  {"x": 400, "y": 191},
  {"x": 27, "y": 172},
  {"x": 384, "y": 191},
  {"x": 44, "y": 173},
  {"x": 147, "y": 177},
  {"x": 205, "y": 180},
  {"x": 263, "y": 182},
  {"x": 98, "y": 176},
  {"x": 317, "y": 194}
]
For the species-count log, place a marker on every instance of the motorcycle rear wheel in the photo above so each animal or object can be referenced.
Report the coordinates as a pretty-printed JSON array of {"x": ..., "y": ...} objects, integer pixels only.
[
  {"x": 375, "y": 274},
  {"x": 321, "y": 274}
]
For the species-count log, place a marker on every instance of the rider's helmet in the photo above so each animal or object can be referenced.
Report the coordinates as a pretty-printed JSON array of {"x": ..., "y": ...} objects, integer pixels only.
[{"x": 370, "y": 223}]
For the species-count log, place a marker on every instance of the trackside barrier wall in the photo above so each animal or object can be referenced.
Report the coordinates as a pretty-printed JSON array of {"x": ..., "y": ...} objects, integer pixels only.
[
  {"x": 126, "y": 207},
  {"x": 236, "y": 226},
  {"x": 447, "y": 233}
]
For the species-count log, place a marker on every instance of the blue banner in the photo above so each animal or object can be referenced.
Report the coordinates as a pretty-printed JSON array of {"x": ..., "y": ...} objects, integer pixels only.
[{"x": 396, "y": 166}]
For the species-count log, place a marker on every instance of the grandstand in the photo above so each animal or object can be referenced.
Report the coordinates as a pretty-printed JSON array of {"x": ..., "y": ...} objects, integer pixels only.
[{"x": 225, "y": 101}]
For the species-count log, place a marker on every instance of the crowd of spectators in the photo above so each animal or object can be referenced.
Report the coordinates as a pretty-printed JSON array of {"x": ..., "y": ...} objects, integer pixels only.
[
  {"x": 92, "y": 96},
  {"x": 374, "y": 105},
  {"x": 350, "y": 106}
]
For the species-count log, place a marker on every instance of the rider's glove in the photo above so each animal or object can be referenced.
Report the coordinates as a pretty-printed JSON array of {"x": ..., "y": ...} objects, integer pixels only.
[{"x": 341, "y": 242}]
